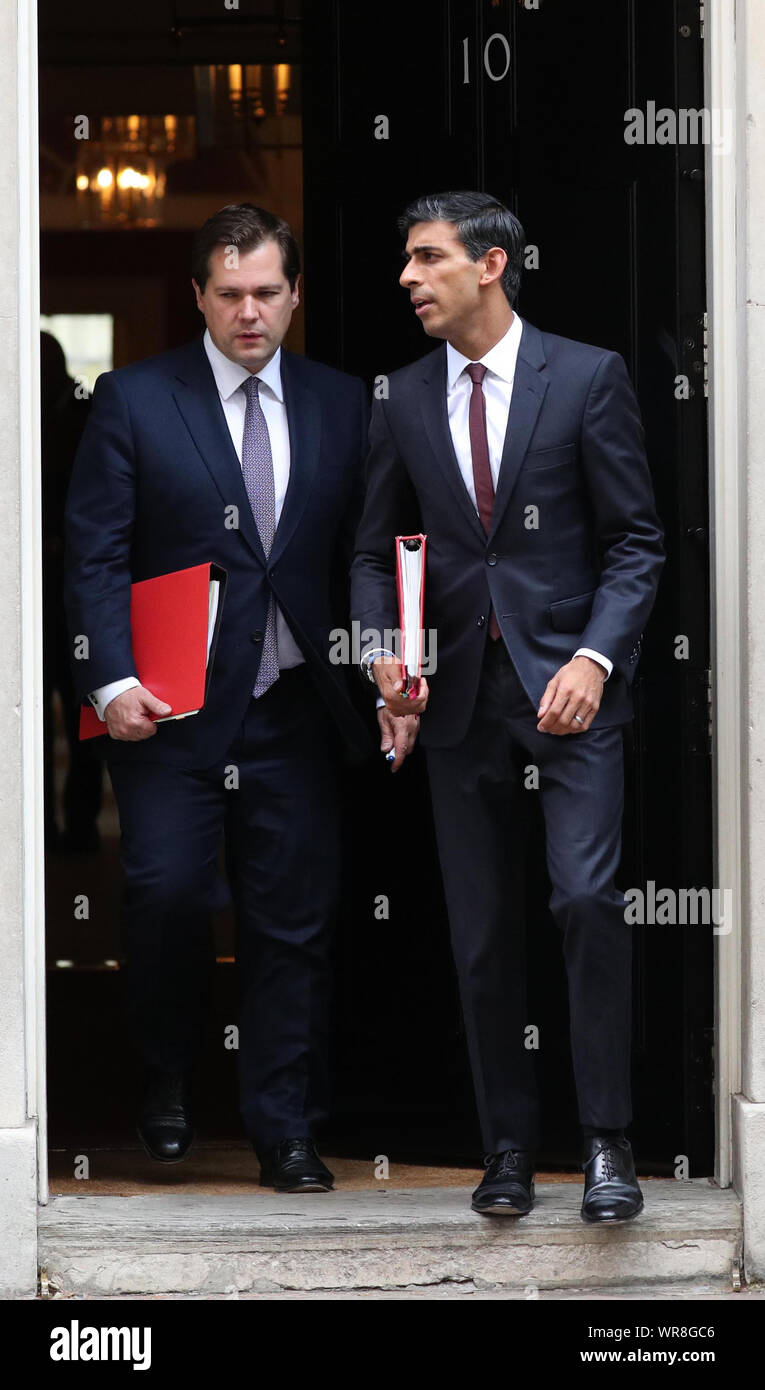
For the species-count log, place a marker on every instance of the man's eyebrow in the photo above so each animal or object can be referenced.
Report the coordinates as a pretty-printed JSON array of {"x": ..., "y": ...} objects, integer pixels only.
[
  {"x": 408, "y": 255},
  {"x": 237, "y": 288}
]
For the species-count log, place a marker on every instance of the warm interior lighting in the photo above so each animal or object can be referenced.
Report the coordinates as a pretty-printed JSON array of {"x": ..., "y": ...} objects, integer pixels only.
[
  {"x": 83, "y": 182},
  {"x": 104, "y": 178},
  {"x": 254, "y": 75},
  {"x": 283, "y": 75},
  {"x": 132, "y": 178}
]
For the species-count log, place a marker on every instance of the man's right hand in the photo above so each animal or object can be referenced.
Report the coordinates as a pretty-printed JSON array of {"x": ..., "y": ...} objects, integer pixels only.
[
  {"x": 390, "y": 683},
  {"x": 127, "y": 715}
]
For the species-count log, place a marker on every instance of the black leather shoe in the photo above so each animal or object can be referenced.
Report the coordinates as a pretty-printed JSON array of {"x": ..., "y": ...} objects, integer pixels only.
[
  {"x": 164, "y": 1122},
  {"x": 611, "y": 1191},
  {"x": 507, "y": 1186},
  {"x": 295, "y": 1166}
]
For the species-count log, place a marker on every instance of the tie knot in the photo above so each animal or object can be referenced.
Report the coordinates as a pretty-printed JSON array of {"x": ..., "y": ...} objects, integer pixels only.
[
  {"x": 476, "y": 371},
  {"x": 251, "y": 387}
]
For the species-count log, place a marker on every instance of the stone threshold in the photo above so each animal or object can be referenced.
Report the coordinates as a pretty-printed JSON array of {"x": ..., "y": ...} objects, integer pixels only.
[{"x": 386, "y": 1239}]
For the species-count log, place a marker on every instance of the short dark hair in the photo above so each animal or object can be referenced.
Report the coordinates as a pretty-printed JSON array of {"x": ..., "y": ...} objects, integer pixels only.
[
  {"x": 481, "y": 222},
  {"x": 244, "y": 226}
]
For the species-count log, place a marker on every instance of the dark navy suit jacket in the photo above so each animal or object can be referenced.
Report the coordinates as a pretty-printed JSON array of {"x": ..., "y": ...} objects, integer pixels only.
[
  {"x": 155, "y": 480},
  {"x": 575, "y": 548}
]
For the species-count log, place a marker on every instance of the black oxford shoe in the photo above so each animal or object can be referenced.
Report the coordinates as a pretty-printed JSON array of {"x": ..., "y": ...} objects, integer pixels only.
[
  {"x": 611, "y": 1191},
  {"x": 507, "y": 1186},
  {"x": 164, "y": 1122},
  {"x": 295, "y": 1166}
]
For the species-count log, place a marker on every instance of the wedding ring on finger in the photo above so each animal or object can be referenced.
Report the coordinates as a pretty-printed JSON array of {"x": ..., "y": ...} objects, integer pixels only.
[{"x": 578, "y": 719}]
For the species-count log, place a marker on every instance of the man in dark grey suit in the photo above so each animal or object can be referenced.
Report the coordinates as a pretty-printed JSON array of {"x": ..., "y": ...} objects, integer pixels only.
[{"x": 520, "y": 455}]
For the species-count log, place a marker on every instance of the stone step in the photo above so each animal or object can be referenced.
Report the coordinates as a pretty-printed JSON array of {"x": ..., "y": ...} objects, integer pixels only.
[{"x": 381, "y": 1240}]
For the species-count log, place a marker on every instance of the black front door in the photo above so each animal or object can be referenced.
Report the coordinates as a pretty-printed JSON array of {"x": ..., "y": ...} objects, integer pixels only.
[{"x": 528, "y": 99}]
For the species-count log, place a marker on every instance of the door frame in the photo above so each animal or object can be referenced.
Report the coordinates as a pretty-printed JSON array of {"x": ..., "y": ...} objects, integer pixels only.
[
  {"x": 727, "y": 537},
  {"x": 30, "y": 502}
]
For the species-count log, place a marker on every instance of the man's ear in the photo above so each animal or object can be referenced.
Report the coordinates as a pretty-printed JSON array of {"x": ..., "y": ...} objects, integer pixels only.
[
  {"x": 296, "y": 292},
  {"x": 198, "y": 295},
  {"x": 495, "y": 261}
]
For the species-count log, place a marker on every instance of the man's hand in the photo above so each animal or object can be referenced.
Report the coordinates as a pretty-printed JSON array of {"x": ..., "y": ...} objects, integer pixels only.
[
  {"x": 575, "y": 689},
  {"x": 397, "y": 734},
  {"x": 127, "y": 715},
  {"x": 390, "y": 683}
]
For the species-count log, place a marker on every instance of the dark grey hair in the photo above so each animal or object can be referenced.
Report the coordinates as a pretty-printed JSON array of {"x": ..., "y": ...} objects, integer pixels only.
[{"x": 481, "y": 222}]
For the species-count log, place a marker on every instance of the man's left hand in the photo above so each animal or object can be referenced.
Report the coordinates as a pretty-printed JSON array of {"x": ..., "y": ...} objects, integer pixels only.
[
  {"x": 575, "y": 689},
  {"x": 398, "y": 734}
]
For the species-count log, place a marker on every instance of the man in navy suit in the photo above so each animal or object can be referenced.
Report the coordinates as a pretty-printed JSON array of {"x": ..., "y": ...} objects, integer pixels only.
[
  {"x": 233, "y": 450},
  {"x": 520, "y": 455}
]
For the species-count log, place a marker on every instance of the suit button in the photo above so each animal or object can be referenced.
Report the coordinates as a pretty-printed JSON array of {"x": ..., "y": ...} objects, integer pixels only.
[
  {"x": 491, "y": 559},
  {"x": 256, "y": 637},
  {"x": 482, "y": 621}
]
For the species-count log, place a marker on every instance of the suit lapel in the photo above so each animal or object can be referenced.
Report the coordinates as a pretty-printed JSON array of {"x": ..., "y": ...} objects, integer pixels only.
[
  {"x": 304, "y": 425},
  {"x": 198, "y": 401},
  {"x": 436, "y": 419},
  {"x": 529, "y": 390}
]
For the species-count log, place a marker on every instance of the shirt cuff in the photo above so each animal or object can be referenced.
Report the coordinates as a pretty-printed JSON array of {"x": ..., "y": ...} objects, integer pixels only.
[
  {"x": 380, "y": 702},
  {"x": 596, "y": 656},
  {"x": 106, "y": 693}
]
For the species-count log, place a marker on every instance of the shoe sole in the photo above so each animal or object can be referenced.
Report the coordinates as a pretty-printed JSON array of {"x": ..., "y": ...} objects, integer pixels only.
[
  {"x": 157, "y": 1158},
  {"x": 611, "y": 1220},
  {"x": 298, "y": 1187},
  {"x": 501, "y": 1209}
]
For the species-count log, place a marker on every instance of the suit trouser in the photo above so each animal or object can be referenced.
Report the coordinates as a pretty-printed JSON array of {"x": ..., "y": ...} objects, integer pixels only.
[
  {"x": 477, "y": 790},
  {"x": 274, "y": 795}
]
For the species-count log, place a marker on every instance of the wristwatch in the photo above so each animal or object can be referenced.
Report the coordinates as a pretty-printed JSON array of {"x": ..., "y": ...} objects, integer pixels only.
[{"x": 370, "y": 657}]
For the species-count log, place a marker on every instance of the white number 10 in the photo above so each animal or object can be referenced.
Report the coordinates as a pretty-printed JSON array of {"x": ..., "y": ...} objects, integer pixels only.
[{"x": 493, "y": 76}]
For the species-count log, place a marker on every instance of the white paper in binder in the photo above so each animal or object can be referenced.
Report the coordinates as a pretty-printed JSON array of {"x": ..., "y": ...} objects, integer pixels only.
[{"x": 410, "y": 583}]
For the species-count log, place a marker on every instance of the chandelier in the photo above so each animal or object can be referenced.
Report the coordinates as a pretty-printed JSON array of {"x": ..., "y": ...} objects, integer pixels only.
[{"x": 121, "y": 167}]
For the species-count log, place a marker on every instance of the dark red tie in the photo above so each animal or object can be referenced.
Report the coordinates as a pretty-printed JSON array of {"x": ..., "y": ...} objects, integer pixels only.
[{"x": 479, "y": 448}]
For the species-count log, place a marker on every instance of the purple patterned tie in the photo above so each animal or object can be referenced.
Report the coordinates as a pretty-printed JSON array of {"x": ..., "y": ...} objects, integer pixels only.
[{"x": 258, "y": 474}]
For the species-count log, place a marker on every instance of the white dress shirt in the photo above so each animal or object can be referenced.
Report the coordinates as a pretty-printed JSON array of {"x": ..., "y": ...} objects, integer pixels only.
[
  {"x": 498, "y": 383},
  {"x": 229, "y": 377}
]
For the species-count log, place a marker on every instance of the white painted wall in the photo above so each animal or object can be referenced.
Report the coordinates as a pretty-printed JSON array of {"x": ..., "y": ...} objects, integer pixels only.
[
  {"x": 18, "y": 1184},
  {"x": 749, "y": 1105}
]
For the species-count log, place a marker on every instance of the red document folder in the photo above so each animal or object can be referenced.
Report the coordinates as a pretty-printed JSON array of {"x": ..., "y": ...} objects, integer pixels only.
[
  {"x": 174, "y": 623},
  {"x": 410, "y": 586}
]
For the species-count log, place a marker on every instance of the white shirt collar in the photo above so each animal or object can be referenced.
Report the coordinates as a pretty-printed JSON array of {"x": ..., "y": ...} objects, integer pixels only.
[
  {"x": 500, "y": 359},
  {"x": 230, "y": 375}
]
